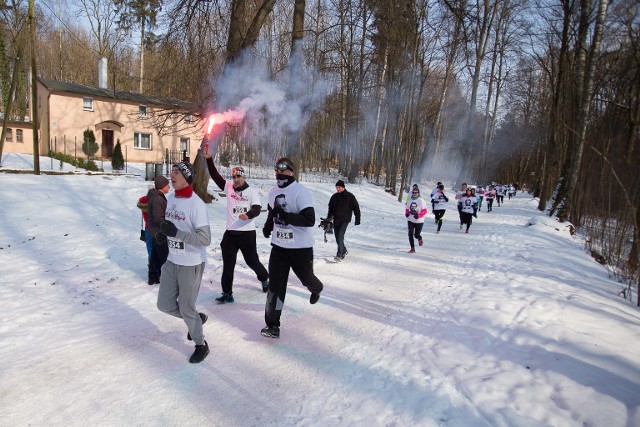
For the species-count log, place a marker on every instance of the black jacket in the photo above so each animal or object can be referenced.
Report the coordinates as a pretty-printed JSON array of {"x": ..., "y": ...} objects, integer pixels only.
[
  {"x": 157, "y": 205},
  {"x": 340, "y": 207}
]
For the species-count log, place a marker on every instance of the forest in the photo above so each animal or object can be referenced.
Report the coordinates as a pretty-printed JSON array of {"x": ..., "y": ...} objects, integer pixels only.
[{"x": 544, "y": 94}]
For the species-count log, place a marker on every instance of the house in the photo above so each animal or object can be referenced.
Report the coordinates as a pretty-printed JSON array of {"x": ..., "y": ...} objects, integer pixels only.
[
  {"x": 146, "y": 126},
  {"x": 18, "y": 137}
]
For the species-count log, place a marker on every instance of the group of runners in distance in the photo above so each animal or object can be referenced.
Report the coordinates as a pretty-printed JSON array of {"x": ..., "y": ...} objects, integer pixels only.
[{"x": 469, "y": 202}]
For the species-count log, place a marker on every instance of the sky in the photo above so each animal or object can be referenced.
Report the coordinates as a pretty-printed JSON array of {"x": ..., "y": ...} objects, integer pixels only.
[{"x": 512, "y": 324}]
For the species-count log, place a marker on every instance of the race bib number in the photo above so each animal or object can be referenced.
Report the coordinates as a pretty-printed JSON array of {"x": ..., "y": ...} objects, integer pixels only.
[
  {"x": 240, "y": 210},
  {"x": 284, "y": 237},
  {"x": 176, "y": 247}
]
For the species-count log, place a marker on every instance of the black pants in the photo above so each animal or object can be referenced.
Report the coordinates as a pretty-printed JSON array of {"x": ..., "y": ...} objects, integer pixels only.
[
  {"x": 439, "y": 214},
  {"x": 338, "y": 231},
  {"x": 467, "y": 218},
  {"x": 281, "y": 261},
  {"x": 500, "y": 199},
  {"x": 489, "y": 205},
  {"x": 414, "y": 230},
  {"x": 245, "y": 242},
  {"x": 159, "y": 254}
]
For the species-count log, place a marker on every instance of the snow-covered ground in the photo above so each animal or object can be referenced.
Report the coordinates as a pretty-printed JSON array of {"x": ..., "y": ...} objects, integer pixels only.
[{"x": 510, "y": 325}]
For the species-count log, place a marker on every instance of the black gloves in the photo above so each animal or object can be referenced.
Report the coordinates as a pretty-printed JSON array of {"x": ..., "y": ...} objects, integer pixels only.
[
  {"x": 407, "y": 214},
  {"x": 280, "y": 214},
  {"x": 415, "y": 216},
  {"x": 266, "y": 233},
  {"x": 161, "y": 239},
  {"x": 357, "y": 222},
  {"x": 168, "y": 228}
]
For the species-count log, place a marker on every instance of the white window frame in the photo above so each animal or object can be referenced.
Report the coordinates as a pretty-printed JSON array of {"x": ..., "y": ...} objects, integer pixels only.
[
  {"x": 186, "y": 141},
  {"x": 8, "y": 137},
  {"x": 188, "y": 118},
  {"x": 19, "y": 137},
  {"x": 142, "y": 110},
  {"x": 137, "y": 141},
  {"x": 87, "y": 104}
]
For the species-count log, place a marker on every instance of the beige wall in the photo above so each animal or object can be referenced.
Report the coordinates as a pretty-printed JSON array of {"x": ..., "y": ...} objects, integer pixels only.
[
  {"x": 64, "y": 120},
  {"x": 14, "y": 146}
]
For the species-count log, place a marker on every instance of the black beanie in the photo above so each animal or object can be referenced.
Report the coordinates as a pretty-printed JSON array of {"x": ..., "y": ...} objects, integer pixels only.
[
  {"x": 415, "y": 188},
  {"x": 186, "y": 169},
  {"x": 340, "y": 183}
]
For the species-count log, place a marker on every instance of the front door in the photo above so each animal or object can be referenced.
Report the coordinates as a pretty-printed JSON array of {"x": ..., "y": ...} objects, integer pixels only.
[{"x": 107, "y": 143}]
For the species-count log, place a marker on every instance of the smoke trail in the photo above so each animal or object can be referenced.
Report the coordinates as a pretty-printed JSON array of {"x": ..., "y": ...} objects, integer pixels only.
[{"x": 266, "y": 106}]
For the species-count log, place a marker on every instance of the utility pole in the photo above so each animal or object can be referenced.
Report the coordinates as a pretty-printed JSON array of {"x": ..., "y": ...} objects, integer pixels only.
[{"x": 34, "y": 91}]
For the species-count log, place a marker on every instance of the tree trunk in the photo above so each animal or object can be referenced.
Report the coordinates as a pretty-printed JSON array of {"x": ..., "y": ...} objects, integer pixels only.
[
  {"x": 34, "y": 92},
  {"x": 142, "y": 28},
  {"x": 584, "y": 76}
]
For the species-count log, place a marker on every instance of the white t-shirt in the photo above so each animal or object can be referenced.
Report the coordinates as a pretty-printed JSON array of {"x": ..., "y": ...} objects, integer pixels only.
[
  {"x": 186, "y": 214},
  {"x": 293, "y": 198},
  {"x": 416, "y": 206},
  {"x": 240, "y": 202},
  {"x": 439, "y": 202},
  {"x": 468, "y": 203}
]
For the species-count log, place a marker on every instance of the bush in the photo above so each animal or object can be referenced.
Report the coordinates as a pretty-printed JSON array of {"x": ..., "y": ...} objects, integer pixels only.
[
  {"x": 89, "y": 146},
  {"x": 117, "y": 160},
  {"x": 89, "y": 165}
]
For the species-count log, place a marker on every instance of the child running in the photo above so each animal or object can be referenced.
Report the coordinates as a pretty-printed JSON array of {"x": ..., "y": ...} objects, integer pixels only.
[
  {"x": 468, "y": 205},
  {"x": 415, "y": 210},
  {"x": 439, "y": 202}
]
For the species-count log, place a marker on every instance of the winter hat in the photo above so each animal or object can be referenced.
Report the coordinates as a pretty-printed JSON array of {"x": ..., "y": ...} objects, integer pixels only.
[
  {"x": 340, "y": 183},
  {"x": 161, "y": 182},
  {"x": 186, "y": 169},
  {"x": 283, "y": 164}
]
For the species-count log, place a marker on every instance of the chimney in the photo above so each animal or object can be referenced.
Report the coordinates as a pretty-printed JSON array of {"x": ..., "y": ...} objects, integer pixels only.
[{"x": 102, "y": 73}]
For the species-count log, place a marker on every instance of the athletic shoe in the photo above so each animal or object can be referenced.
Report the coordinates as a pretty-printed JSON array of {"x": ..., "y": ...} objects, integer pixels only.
[
  {"x": 200, "y": 353},
  {"x": 265, "y": 285},
  {"x": 466, "y": 231},
  {"x": 337, "y": 259},
  {"x": 225, "y": 298},
  {"x": 204, "y": 318},
  {"x": 412, "y": 251},
  {"x": 345, "y": 253},
  {"x": 420, "y": 242},
  {"x": 270, "y": 332},
  {"x": 314, "y": 298}
]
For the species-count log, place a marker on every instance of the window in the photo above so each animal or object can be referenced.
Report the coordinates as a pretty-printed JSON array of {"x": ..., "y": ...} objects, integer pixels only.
[
  {"x": 142, "y": 110},
  {"x": 142, "y": 140},
  {"x": 188, "y": 118},
  {"x": 184, "y": 144},
  {"x": 8, "y": 137},
  {"x": 19, "y": 135},
  {"x": 87, "y": 104}
]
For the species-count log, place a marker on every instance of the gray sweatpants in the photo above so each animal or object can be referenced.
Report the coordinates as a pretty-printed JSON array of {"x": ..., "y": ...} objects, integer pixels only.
[{"x": 179, "y": 287}]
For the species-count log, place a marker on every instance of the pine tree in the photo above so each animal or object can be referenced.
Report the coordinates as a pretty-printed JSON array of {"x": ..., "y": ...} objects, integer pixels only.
[
  {"x": 117, "y": 161},
  {"x": 89, "y": 146}
]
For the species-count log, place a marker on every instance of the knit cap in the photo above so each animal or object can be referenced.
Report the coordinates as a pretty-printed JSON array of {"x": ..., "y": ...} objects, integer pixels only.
[
  {"x": 161, "y": 182},
  {"x": 186, "y": 169}
]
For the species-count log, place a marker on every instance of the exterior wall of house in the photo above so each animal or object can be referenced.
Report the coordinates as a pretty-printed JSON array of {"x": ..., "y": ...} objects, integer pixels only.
[
  {"x": 19, "y": 138},
  {"x": 65, "y": 116}
]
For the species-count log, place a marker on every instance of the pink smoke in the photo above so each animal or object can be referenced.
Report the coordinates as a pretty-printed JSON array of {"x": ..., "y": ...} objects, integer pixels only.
[{"x": 229, "y": 116}]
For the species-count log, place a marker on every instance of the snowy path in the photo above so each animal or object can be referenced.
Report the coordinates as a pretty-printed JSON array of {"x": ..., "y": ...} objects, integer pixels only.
[{"x": 510, "y": 325}]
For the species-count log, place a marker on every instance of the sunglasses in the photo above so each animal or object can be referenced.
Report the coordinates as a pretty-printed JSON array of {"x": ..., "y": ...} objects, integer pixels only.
[
  {"x": 281, "y": 167},
  {"x": 415, "y": 192}
]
